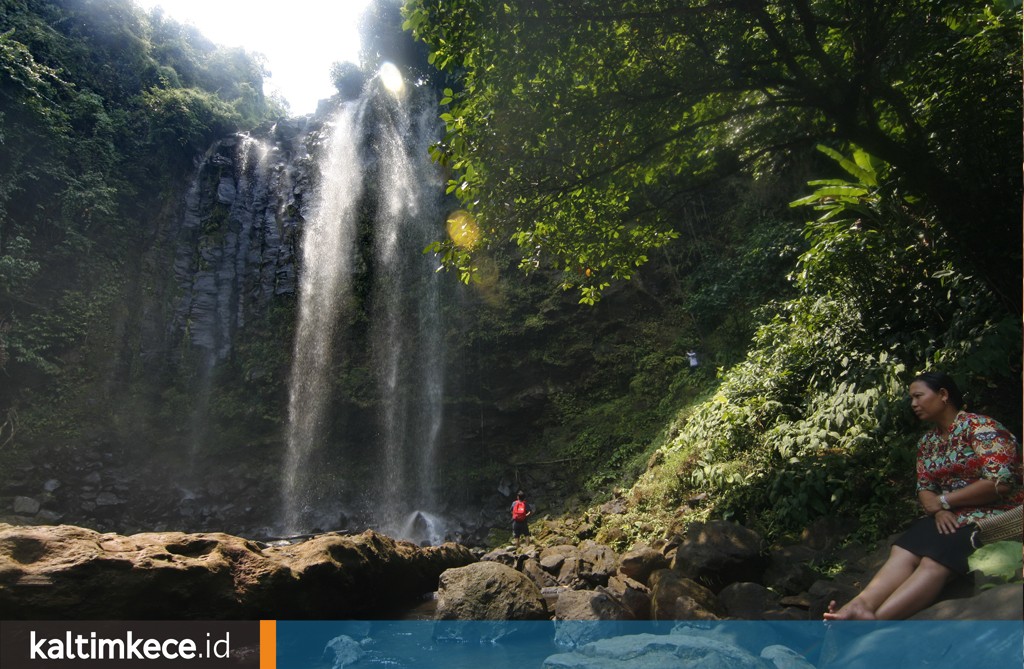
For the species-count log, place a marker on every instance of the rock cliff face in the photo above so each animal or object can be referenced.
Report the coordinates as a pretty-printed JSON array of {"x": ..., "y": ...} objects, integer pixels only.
[
  {"x": 191, "y": 433},
  {"x": 236, "y": 244},
  {"x": 67, "y": 572}
]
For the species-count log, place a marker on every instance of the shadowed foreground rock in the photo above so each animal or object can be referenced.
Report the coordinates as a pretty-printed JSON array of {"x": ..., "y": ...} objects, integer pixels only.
[
  {"x": 67, "y": 572},
  {"x": 488, "y": 591}
]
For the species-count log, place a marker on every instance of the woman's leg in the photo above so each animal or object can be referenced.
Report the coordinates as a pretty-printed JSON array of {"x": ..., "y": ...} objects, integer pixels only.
[
  {"x": 900, "y": 566},
  {"x": 917, "y": 592}
]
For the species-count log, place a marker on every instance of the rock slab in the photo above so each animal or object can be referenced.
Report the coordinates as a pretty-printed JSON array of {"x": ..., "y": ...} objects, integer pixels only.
[{"x": 72, "y": 573}]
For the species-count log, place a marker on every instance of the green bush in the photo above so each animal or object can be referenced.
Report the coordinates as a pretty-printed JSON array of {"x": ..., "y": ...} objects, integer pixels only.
[{"x": 814, "y": 421}]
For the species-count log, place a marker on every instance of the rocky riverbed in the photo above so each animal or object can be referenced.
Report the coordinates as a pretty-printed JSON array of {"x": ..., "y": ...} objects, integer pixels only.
[{"x": 717, "y": 571}]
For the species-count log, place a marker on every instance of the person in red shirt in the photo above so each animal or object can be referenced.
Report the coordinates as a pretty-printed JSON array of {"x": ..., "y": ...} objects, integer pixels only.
[{"x": 520, "y": 512}]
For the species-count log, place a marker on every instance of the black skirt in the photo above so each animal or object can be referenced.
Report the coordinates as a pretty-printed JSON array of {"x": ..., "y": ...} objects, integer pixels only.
[{"x": 923, "y": 539}]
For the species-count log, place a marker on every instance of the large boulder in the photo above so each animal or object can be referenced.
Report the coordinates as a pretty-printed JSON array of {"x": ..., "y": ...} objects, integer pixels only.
[
  {"x": 531, "y": 567},
  {"x": 589, "y": 605},
  {"x": 582, "y": 567},
  {"x": 633, "y": 595},
  {"x": 66, "y": 572},
  {"x": 789, "y": 569},
  {"x": 563, "y": 562},
  {"x": 506, "y": 556},
  {"x": 821, "y": 593},
  {"x": 597, "y": 563},
  {"x": 375, "y": 572},
  {"x": 553, "y": 557},
  {"x": 639, "y": 562},
  {"x": 488, "y": 591},
  {"x": 675, "y": 597},
  {"x": 583, "y": 616},
  {"x": 1003, "y": 602},
  {"x": 718, "y": 553},
  {"x": 747, "y": 601}
]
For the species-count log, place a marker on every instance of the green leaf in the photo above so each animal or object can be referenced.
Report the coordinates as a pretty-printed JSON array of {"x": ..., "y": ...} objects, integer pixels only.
[
  {"x": 1001, "y": 559},
  {"x": 864, "y": 176}
]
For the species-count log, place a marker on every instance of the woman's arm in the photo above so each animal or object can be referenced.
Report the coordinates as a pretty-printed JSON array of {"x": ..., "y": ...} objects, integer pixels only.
[
  {"x": 979, "y": 493},
  {"x": 991, "y": 454}
]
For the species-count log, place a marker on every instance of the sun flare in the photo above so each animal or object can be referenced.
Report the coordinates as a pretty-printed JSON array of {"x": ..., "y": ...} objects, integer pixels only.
[{"x": 392, "y": 79}]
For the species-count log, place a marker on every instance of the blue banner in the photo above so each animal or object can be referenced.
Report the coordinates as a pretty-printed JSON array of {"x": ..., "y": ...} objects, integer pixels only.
[{"x": 682, "y": 644}]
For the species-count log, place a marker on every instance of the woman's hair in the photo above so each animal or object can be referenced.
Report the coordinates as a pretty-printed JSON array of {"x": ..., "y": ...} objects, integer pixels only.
[{"x": 941, "y": 381}]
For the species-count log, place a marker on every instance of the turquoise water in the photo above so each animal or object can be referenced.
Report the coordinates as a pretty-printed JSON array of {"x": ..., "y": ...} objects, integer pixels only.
[{"x": 523, "y": 645}]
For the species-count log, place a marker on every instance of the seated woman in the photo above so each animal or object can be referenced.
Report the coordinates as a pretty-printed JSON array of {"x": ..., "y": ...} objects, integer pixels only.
[{"x": 968, "y": 467}]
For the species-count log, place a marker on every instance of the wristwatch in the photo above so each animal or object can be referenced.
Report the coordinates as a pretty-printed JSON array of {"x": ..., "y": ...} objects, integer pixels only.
[{"x": 944, "y": 502}]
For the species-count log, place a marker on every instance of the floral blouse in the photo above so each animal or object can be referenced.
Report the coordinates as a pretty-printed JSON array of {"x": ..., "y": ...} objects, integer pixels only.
[{"x": 975, "y": 447}]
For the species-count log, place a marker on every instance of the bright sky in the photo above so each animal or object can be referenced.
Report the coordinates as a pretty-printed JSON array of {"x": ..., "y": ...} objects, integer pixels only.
[{"x": 300, "y": 38}]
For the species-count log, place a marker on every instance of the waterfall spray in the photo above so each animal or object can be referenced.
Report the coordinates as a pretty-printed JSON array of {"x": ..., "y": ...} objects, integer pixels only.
[
  {"x": 406, "y": 333},
  {"x": 327, "y": 252},
  {"x": 405, "y": 349}
]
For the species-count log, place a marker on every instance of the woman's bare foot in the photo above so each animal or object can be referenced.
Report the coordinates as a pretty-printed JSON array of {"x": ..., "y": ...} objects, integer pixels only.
[{"x": 854, "y": 610}]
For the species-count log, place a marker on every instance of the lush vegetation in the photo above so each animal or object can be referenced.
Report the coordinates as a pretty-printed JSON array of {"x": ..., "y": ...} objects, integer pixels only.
[
  {"x": 102, "y": 110},
  {"x": 579, "y": 130},
  {"x": 819, "y": 198},
  {"x": 583, "y": 132},
  {"x": 814, "y": 421}
]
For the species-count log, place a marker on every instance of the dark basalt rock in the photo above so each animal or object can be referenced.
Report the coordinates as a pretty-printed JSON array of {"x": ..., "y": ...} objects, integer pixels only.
[{"x": 718, "y": 553}]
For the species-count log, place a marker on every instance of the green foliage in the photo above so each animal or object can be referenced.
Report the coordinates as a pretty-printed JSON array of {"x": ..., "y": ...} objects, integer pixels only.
[
  {"x": 1001, "y": 560},
  {"x": 187, "y": 116},
  {"x": 813, "y": 422},
  {"x": 575, "y": 130},
  {"x": 348, "y": 79},
  {"x": 102, "y": 109},
  {"x": 20, "y": 68},
  {"x": 580, "y": 132},
  {"x": 795, "y": 435},
  {"x": 383, "y": 40},
  {"x": 16, "y": 268}
]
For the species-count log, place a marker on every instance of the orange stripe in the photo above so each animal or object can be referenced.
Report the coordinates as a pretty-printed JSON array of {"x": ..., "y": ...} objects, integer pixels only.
[{"x": 268, "y": 644}]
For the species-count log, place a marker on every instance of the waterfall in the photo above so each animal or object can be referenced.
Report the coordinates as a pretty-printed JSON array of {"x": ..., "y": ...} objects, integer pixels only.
[
  {"x": 376, "y": 153},
  {"x": 327, "y": 258},
  {"x": 406, "y": 331}
]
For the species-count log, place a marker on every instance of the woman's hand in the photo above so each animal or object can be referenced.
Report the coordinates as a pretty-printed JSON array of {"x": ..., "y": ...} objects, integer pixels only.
[
  {"x": 946, "y": 523},
  {"x": 930, "y": 501}
]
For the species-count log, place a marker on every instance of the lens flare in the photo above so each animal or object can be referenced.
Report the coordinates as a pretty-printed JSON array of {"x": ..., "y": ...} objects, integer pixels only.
[
  {"x": 462, "y": 229},
  {"x": 486, "y": 281},
  {"x": 392, "y": 78}
]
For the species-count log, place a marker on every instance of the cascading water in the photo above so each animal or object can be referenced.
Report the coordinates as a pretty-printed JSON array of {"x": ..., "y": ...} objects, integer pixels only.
[
  {"x": 327, "y": 257},
  {"x": 375, "y": 165},
  {"x": 406, "y": 337}
]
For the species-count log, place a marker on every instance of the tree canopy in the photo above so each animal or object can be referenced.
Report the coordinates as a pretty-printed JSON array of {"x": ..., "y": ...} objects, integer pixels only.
[{"x": 581, "y": 129}]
